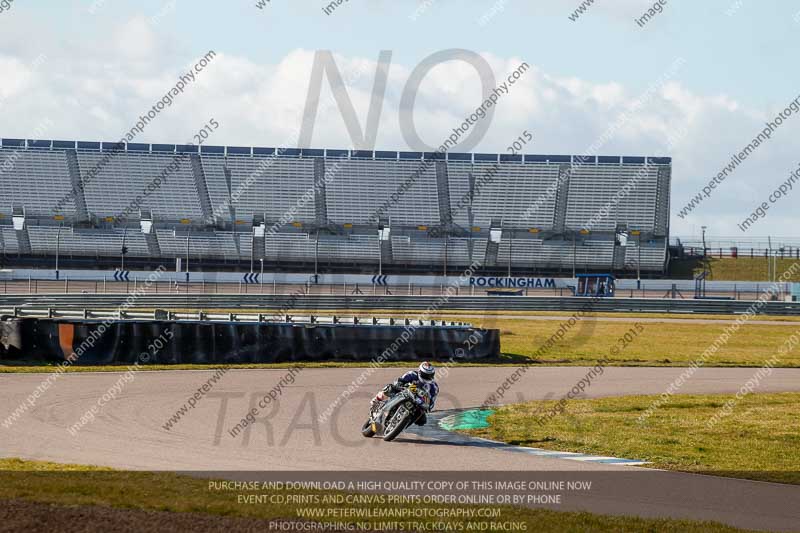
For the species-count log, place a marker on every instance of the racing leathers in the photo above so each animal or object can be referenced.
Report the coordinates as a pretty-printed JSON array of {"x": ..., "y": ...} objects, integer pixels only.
[{"x": 404, "y": 381}]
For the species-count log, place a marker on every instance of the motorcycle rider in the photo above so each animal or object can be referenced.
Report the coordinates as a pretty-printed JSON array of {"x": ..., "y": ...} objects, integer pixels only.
[{"x": 421, "y": 377}]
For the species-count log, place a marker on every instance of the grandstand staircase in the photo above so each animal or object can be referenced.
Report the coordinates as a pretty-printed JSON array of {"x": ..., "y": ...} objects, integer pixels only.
[
  {"x": 74, "y": 168},
  {"x": 387, "y": 256},
  {"x": 491, "y": 253},
  {"x": 23, "y": 237},
  {"x": 24, "y": 241},
  {"x": 259, "y": 238},
  {"x": 150, "y": 235},
  {"x": 443, "y": 190},
  {"x": 446, "y": 225},
  {"x": 471, "y": 218},
  {"x": 661, "y": 222},
  {"x": 320, "y": 204},
  {"x": 202, "y": 188},
  {"x": 261, "y": 247},
  {"x": 619, "y": 256},
  {"x": 236, "y": 242},
  {"x": 153, "y": 246},
  {"x": 562, "y": 194},
  {"x": 386, "y": 250},
  {"x": 492, "y": 247},
  {"x": 228, "y": 182}
]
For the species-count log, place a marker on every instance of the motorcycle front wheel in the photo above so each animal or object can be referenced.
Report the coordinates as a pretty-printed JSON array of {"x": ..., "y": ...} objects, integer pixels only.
[{"x": 397, "y": 424}]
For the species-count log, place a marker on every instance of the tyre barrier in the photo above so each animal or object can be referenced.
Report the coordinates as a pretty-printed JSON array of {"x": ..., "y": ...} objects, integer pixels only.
[
  {"x": 93, "y": 342},
  {"x": 10, "y": 337}
]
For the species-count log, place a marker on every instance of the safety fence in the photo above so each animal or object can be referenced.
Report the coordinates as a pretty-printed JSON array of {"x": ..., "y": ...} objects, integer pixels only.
[{"x": 399, "y": 303}]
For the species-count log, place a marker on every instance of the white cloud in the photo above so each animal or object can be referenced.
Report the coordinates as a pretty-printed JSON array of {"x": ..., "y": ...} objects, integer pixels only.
[{"x": 135, "y": 40}]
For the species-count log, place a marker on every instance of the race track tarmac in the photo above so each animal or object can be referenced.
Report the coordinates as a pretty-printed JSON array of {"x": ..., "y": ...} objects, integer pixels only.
[{"x": 129, "y": 431}]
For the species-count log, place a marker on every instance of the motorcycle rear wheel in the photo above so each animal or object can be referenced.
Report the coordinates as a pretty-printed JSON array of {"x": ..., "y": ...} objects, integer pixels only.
[{"x": 366, "y": 429}]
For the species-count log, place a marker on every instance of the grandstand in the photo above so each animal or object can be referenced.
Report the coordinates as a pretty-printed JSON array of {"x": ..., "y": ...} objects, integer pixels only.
[{"x": 342, "y": 210}]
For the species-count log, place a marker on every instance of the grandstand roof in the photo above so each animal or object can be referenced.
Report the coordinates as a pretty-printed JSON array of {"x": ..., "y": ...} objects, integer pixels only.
[{"x": 317, "y": 152}]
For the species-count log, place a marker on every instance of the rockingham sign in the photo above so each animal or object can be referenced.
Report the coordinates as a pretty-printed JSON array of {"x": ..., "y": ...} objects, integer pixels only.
[{"x": 506, "y": 283}]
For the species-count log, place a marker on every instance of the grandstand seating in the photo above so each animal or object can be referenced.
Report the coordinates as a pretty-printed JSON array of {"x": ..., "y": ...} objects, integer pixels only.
[
  {"x": 127, "y": 175},
  {"x": 359, "y": 188},
  {"x": 427, "y": 251},
  {"x": 276, "y": 186},
  {"x": 85, "y": 243},
  {"x": 360, "y": 248},
  {"x": 300, "y": 247},
  {"x": 37, "y": 180},
  {"x": 8, "y": 238},
  {"x": 591, "y": 188},
  {"x": 510, "y": 192},
  {"x": 652, "y": 255},
  {"x": 550, "y": 212},
  {"x": 206, "y": 244},
  {"x": 592, "y": 254}
]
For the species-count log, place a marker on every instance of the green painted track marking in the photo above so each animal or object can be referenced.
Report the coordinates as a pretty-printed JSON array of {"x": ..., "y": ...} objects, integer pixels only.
[
  {"x": 445, "y": 422},
  {"x": 472, "y": 419}
]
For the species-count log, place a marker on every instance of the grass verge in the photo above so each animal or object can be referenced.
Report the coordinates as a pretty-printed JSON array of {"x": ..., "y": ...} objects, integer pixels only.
[
  {"x": 732, "y": 269},
  {"x": 758, "y": 440},
  {"x": 79, "y": 485},
  {"x": 645, "y": 343}
]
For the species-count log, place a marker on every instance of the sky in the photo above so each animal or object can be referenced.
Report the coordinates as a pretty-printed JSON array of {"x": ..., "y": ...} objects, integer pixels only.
[{"x": 698, "y": 81}]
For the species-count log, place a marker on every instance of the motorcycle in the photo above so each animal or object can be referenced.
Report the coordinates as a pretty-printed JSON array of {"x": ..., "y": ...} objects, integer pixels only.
[{"x": 390, "y": 417}]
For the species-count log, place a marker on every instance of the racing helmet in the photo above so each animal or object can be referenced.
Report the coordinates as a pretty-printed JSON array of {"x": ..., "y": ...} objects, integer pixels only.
[{"x": 426, "y": 371}]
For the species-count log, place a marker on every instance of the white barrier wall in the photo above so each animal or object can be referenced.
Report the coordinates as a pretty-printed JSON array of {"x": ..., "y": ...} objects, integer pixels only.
[{"x": 367, "y": 280}]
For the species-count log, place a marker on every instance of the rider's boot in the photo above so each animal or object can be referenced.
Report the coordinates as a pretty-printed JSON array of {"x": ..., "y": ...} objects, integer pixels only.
[{"x": 380, "y": 397}]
